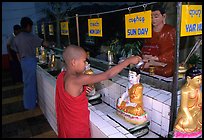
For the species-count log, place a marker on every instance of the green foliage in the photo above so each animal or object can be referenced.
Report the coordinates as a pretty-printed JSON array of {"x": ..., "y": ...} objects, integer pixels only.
[
  {"x": 126, "y": 50},
  {"x": 115, "y": 47},
  {"x": 195, "y": 58},
  {"x": 131, "y": 49}
]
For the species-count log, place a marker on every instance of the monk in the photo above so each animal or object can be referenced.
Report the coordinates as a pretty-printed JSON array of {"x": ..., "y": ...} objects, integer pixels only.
[
  {"x": 189, "y": 119},
  {"x": 158, "y": 51},
  {"x": 71, "y": 102}
]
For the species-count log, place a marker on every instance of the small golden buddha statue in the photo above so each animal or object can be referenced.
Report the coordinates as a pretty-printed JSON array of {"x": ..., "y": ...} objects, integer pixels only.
[
  {"x": 37, "y": 52},
  {"x": 188, "y": 123},
  {"x": 130, "y": 104},
  {"x": 53, "y": 62},
  {"x": 90, "y": 71},
  {"x": 43, "y": 55}
]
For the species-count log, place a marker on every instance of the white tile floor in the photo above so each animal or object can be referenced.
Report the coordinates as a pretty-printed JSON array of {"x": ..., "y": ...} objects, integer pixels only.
[{"x": 103, "y": 107}]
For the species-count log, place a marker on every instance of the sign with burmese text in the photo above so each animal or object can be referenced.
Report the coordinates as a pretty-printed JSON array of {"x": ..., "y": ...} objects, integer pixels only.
[
  {"x": 138, "y": 25},
  {"x": 43, "y": 29},
  {"x": 95, "y": 27},
  {"x": 51, "y": 29},
  {"x": 191, "y": 20},
  {"x": 64, "y": 28}
]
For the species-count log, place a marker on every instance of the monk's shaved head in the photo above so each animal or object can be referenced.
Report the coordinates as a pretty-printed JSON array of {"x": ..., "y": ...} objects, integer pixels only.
[{"x": 72, "y": 52}]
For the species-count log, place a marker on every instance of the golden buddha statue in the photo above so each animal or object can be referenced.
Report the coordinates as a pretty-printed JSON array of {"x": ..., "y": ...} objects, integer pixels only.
[
  {"x": 43, "y": 55},
  {"x": 53, "y": 62},
  {"x": 130, "y": 104},
  {"x": 189, "y": 118},
  {"x": 90, "y": 71},
  {"x": 37, "y": 52}
]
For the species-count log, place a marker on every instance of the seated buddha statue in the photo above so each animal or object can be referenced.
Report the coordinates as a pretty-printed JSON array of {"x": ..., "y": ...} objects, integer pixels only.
[
  {"x": 130, "y": 104},
  {"x": 158, "y": 51},
  {"x": 189, "y": 118}
]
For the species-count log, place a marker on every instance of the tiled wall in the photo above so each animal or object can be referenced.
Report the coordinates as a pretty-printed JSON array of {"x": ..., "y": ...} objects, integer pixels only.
[
  {"x": 46, "y": 96},
  {"x": 156, "y": 101}
]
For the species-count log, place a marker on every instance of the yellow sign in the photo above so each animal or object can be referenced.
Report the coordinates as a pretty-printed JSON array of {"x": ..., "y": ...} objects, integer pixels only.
[
  {"x": 191, "y": 20},
  {"x": 43, "y": 28},
  {"x": 95, "y": 27},
  {"x": 138, "y": 25},
  {"x": 51, "y": 30},
  {"x": 64, "y": 28}
]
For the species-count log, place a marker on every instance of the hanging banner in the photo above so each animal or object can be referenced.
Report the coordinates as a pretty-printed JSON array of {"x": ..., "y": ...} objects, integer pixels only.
[
  {"x": 43, "y": 28},
  {"x": 64, "y": 28},
  {"x": 51, "y": 29},
  {"x": 95, "y": 27},
  {"x": 191, "y": 20},
  {"x": 36, "y": 29},
  {"x": 138, "y": 25}
]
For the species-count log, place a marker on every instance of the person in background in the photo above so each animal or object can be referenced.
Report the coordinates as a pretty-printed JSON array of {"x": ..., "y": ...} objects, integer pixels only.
[
  {"x": 26, "y": 44},
  {"x": 71, "y": 102},
  {"x": 158, "y": 51},
  {"x": 15, "y": 67}
]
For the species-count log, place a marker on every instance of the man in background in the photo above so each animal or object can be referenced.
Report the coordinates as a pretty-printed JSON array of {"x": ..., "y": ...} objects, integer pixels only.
[
  {"x": 26, "y": 43},
  {"x": 15, "y": 67}
]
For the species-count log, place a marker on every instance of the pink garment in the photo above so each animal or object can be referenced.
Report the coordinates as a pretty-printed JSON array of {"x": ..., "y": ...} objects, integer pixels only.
[{"x": 187, "y": 135}]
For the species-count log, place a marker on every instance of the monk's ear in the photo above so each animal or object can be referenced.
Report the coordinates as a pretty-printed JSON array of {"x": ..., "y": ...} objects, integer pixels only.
[{"x": 73, "y": 62}]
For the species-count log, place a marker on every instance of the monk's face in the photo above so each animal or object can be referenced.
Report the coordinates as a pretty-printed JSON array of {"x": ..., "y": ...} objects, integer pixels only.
[
  {"x": 81, "y": 63},
  {"x": 157, "y": 18}
]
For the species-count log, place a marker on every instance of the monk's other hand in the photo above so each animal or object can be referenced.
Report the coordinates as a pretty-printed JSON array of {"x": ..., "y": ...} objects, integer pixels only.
[{"x": 89, "y": 89}]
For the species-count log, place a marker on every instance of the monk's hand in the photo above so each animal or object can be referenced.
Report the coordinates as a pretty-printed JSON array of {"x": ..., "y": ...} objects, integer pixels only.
[
  {"x": 134, "y": 59},
  {"x": 89, "y": 89}
]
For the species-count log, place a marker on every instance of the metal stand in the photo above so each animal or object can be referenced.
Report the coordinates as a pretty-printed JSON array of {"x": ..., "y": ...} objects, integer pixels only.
[
  {"x": 95, "y": 99},
  {"x": 136, "y": 130}
]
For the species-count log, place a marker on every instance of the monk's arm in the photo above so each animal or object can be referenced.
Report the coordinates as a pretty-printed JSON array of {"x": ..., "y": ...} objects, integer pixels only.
[{"x": 91, "y": 79}]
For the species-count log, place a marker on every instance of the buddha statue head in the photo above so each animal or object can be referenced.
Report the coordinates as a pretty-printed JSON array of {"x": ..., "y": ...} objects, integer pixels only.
[
  {"x": 194, "y": 77},
  {"x": 134, "y": 76}
]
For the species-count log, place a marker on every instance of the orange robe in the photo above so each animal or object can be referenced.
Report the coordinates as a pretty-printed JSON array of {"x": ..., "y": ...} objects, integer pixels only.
[
  {"x": 162, "y": 45},
  {"x": 72, "y": 112}
]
